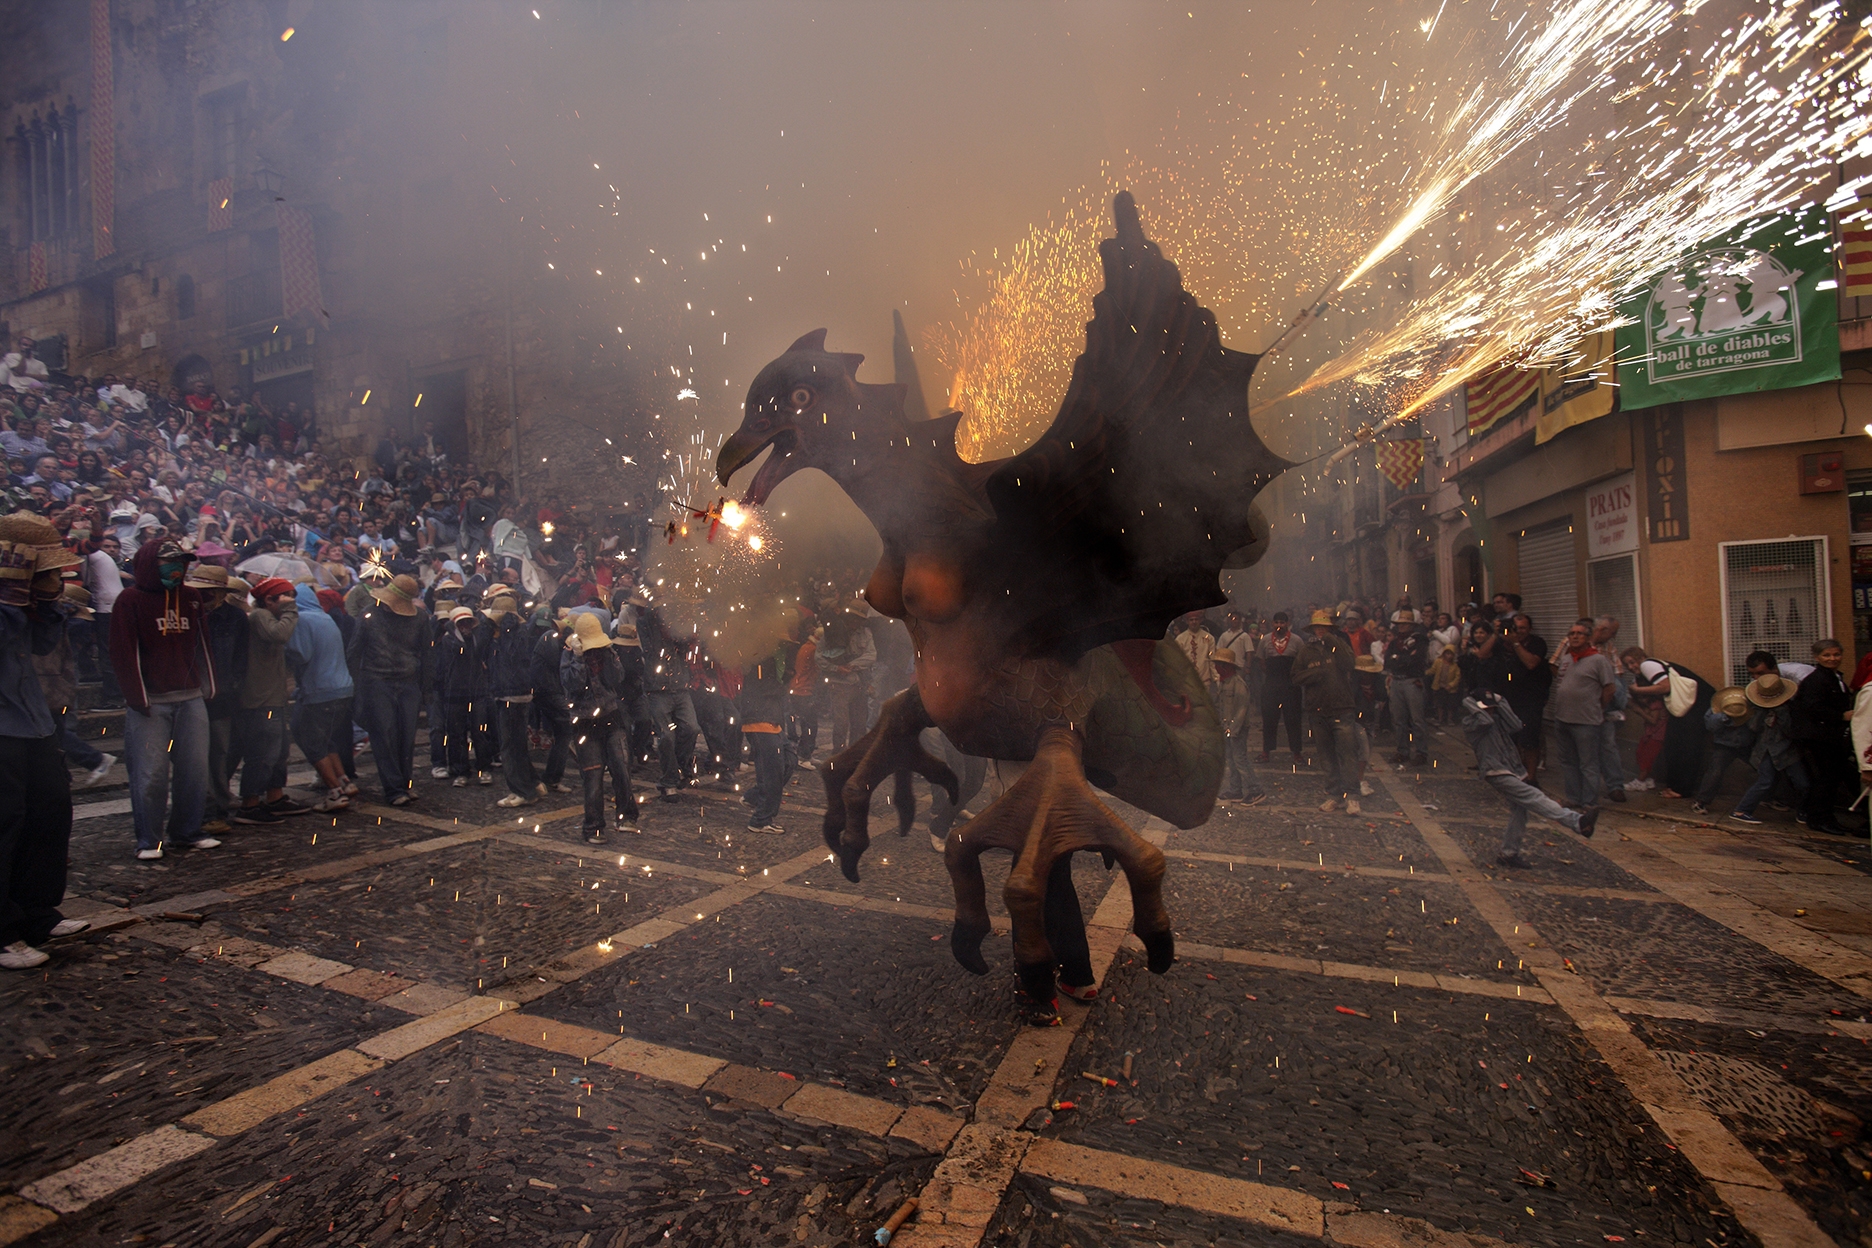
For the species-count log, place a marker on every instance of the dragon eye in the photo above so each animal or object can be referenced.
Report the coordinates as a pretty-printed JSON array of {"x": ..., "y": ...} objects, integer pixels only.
[{"x": 801, "y": 397}]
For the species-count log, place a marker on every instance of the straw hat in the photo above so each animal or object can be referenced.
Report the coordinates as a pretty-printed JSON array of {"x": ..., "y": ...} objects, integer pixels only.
[
  {"x": 238, "y": 588},
  {"x": 54, "y": 558},
  {"x": 459, "y": 614},
  {"x": 1324, "y": 616},
  {"x": 501, "y": 605},
  {"x": 1769, "y": 690},
  {"x": 1368, "y": 663},
  {"x": 587, "y": 633},
  {"x": 26, "y": 529},
  {"x": 399, "y": 595},
  {"x": 1733, "y": 702},
  {"x": 1222, "y": 654},
  {"x": 1403, "y": 615},
  {"x": 205, "y": 576},
  {"x": 80, "y": 598}
]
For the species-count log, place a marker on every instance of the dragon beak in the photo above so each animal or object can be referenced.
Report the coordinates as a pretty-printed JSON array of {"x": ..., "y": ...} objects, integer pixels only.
[
  {"x": 739, "y": 451},
  {"x": 736, "y": 453}
]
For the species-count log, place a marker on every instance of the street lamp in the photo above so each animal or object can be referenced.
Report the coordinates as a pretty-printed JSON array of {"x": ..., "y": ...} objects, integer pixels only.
[{"x": 269, "y": 180}]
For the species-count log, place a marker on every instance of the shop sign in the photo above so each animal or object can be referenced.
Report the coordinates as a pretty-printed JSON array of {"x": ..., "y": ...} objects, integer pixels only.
[
  {"x": 1745, "y": 312},
  {"x": 1612, "y": 517},
  {"x": 1667, "y": 503}
]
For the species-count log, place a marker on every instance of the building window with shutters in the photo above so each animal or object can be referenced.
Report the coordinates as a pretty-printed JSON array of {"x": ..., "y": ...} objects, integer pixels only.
[
  {"x": 1549, "y": 577},
  {"x": 1776, "y": 597},
  {"x": 45, "y": 161},
  {"x": 1612, "y": 589}
]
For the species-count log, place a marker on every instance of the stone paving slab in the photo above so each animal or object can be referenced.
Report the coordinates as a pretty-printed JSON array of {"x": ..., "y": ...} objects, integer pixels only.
[
  {"x": 1558, "y": 856},
  {"x": 1409, "y": 1116},
  {"x": 1334, "y": 917},
  {"x": 847, "y": 993},
  {"x": 488, "y": 902},
  {"x": 1042, "y": 1212},
  {"x": 1306, "y": 834},
  {"x": 501, "y": 1149},
  {"x": 1671, "y": 953},
  {"x": 115, "y": 1037}
]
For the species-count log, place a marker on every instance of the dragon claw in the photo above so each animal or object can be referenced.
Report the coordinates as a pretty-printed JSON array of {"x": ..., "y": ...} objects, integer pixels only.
[
  {"x": 1159, "y": 949},
  {"x": 965, "y": 943}
]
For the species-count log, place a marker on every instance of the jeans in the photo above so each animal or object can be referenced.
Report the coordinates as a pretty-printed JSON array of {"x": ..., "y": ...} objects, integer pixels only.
[
  {"x": 35, "y": 834},
  {"x": 107, "y": 672},
  {"x": 323, "y": 728},
  {"x": 438, "y": 731},
  {"x": 804, "y": 710},
  {"x": 77, "y": 749},
  {"x": 1407, "y": 716},
  {"x": 1579, "y": 761},
  {"x": 718, "y": 718},
  {"x": 773, "y": 767},
  {"x": 1765, "y": 779},
  {"x": 558, "y": 721},
  {"x": 516, "y": 754},
  {"x": 672, "y": 718},
  {"x": 1238, "y": 779},
  {"x": 603, "y": 745},
  {"x": 851, "y": 707},
  {"x": 1720, "y": 758},
  {"x": 1521, "y": 798},
  {"x": 1281, "y": 705},
  {"x": 1337, "y": 735},
  {"x": 266, "y": 742},
  {"x": 1610, "y": 768},
  {"x": 388, "y": 709},
  {"x": 221, "y": 761},
  {"x": 466, "y": 729},
  {"x": 170, "y": 744}
]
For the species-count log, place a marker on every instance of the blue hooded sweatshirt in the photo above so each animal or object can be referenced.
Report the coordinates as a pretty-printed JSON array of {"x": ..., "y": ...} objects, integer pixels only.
[{"x": 317, "y": 652}]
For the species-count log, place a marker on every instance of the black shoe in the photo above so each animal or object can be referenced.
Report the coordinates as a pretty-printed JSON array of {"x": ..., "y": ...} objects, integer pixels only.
[
  {"x": 254, "y": 815},
  {"x": 1588, "y": 821},
  {"x": 286, "y": 806},
  {"x": 594, "y": 836},
  {"x": 1512, "y": 860},
  {"x": 1617, "y": 795},
  {"x": 664, "y": 795}
]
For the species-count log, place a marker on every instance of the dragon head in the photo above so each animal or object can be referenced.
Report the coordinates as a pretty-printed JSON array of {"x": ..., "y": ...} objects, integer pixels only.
[{"x": 810, "y": 407}]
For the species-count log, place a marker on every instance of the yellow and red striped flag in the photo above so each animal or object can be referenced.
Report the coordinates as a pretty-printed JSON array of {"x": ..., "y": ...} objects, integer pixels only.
[
  {"x": 1400, "y": 461},
  {"x": 1499, "y": 394},
  {"x": 1855, "y": 257}
]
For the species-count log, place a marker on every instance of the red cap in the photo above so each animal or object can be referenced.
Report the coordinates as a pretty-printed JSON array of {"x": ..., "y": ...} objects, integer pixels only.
[{"x": 271, "y": 587}]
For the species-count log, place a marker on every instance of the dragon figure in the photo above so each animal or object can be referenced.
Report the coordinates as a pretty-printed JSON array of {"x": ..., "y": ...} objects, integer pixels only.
[{"x": 1037, "y": 590}]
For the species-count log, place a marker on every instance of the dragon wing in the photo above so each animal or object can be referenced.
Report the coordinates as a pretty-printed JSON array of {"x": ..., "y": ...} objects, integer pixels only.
[{"x": 1124, "y": 513}]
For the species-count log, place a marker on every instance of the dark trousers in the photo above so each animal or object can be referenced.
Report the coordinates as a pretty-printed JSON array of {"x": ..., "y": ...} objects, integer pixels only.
[
  {"x": 516, "y": 755},
  {"x": 716, "y": 716},
  {"x": 465, "y": 724},
  {"x": 77, "y": 749},
  {"x": 389, "y": 709},
  {"x": 603, "y": 746},
  {"x": 107, "y": 674},
  {"x": 1337, "y": 734},
  {"x": 1720, "y": 756},
  {"x": 35, "y": 833},
  {"x": 265, "y": 743},
  {"x": 438, "y": 732},
  {"x": 672, "y": 718},
  {"x": 1829, "y": 765},
  {"x": 221, "y": 761},
  {"x": 805, "y": 710},
  {"x": 1281, "y": 705},
  {"x": 773, "y": 767},
  {"x": 558, "y": 721}
]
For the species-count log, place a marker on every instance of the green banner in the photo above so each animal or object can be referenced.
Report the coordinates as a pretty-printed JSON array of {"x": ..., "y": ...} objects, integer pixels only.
[{"x": 1742, "y": 313}]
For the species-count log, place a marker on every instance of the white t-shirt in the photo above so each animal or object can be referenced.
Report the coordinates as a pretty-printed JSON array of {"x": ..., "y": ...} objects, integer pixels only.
[
  {"x": 1796, "y": 672},
  {"x": 1652, "y": 671}
]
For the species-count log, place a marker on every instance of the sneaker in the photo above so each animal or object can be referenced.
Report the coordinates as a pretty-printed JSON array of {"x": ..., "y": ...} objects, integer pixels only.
[
  {"x": 512, "y": 800},
  {"x": 806, "y": 764},
  {"x": 438, "y": 773},
  {"x": 351, "y": 789},
  {"x": 460, "y": 782},
  {"x": 1739, "y": 817},
  {"x": 630, "y": 826},
  {"x": 774, "y": 829},
  {"x": 562, "y": 787},
  {"x": 1087, "y": 992},
  {"x": 1617, "y": 795},
  {"x": 286, "y": 806},
  {"x": 1698, "y": 808},
  {"x": 539, "y": 790},
  {"x": 1330, "y": 804},
  {"x": 594, "y": 836},
  {"x": 1512, "y": 860},
  {"x": 68, "y": 927},
  {"x": 402, "y": 799},
  {"x": 254, "y": 815},
  {"x": 149, "y": 855},
  {"x": 1352, "y": 807},
  {"x": 484, "y": 778},
  {"x": 1588, "y": 821},
  {"x": 1364, "y": 788},
  {"x": 20, "y": 956},
  {"x": 756, "y": 828},
  {"x": 205, "y": 842},
  {"x": 333, "y": 802},
  {"x": 215, "y": 827},
  {"x": 97, "y": 773}
]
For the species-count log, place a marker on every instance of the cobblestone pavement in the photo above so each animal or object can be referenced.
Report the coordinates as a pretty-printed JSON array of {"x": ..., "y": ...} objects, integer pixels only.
[{"x": 453, "y": 1024}]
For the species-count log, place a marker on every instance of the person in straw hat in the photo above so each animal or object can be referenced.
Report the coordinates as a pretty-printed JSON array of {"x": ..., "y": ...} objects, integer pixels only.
[
  {"x": 461, "y": 657},
  {"x": 1323, "y": 673},
  {"x": 58, "y": 677},
  {"x": 389, "y": 653},
  {"x": 1239, "y": 782},
  {"x": 35, "y": 816},
  {"x": 159, "y": 646},
  {"x": 1731, "y": 741},
  {"x": 1774, "y": 754},
  {"x": 510, "y": 685},
  {"x": 595, "y": 687}
]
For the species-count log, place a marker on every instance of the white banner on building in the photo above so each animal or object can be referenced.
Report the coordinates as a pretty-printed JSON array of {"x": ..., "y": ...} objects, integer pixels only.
[{"x": 1612, "y": 517}]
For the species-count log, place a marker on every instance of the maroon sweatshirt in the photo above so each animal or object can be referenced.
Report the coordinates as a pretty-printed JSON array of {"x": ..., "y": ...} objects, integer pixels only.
[{"x": 159, "y": 637}]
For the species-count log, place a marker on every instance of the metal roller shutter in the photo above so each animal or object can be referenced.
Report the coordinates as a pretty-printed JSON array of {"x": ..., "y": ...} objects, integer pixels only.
[{"x": 1550, "y": 579}]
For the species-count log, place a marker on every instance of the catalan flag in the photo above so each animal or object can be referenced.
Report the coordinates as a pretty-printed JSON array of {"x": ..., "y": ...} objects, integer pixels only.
[
  {"x": 1497, "y": 395},
  {"x": 1855, "y": 258}
]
